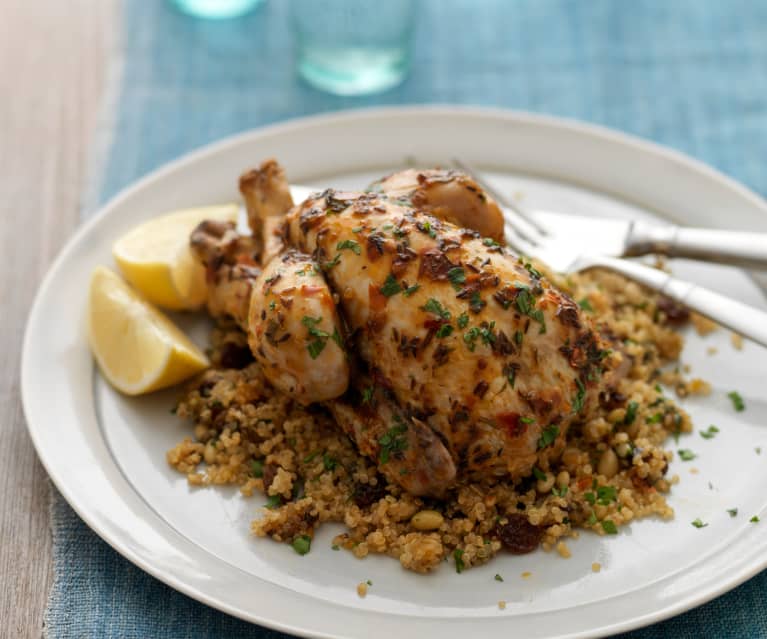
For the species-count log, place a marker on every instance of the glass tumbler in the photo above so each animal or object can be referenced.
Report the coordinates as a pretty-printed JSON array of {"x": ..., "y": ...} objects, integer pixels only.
[
  {"x": 216, "y": 8},
  {"x": 353, "y": 47}
]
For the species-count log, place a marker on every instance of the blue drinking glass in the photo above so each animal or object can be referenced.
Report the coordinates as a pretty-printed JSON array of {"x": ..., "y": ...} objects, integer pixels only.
[
  {"x": 216, "y": 9},
  {"x": 353, "y": 47}
]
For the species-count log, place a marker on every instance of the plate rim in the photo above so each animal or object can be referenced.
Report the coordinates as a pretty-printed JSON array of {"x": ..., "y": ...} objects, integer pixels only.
[{"x": 638, "y": 144}]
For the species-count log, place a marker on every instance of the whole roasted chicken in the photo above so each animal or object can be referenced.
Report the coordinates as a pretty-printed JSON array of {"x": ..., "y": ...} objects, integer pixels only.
[{"x": 438, "y": 351}]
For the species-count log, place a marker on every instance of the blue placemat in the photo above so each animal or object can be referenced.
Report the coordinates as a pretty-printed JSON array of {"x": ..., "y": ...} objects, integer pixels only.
[{"x": 689, "y": 74}]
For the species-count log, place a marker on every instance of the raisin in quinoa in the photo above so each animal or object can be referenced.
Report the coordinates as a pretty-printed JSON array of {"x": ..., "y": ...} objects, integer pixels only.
[{"x": 613, "y": 470}]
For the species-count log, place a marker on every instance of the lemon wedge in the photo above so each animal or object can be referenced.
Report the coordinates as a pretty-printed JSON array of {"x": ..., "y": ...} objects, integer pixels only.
[
  {"x": 155, "y": 257},
  {"x": 138, "y": 349}
]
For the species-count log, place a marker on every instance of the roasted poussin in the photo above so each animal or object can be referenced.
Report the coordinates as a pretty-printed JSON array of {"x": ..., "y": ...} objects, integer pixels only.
[{"x": 466, "y": 361}]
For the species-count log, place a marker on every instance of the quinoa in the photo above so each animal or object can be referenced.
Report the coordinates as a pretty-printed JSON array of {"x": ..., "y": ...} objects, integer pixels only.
[{"x": 303, "y": 471}]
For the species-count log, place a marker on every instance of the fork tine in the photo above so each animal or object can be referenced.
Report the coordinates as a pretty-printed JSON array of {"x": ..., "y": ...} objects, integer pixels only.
[
  {"x": 522, "y": 221},
  {"x": 517, "y": 242}
]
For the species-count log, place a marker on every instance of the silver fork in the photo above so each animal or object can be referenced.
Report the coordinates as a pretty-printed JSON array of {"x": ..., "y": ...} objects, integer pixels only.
[{"x": 526, "y": 236}]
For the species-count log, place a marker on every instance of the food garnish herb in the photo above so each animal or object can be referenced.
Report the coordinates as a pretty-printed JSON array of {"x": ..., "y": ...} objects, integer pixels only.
[
  {"x": 737, "y": 401},
  {"x": 458, "y": 556},
  {"x": 549, "y": 434},
  {"x": 393, "y": 441},
  {"x": 302, "y": 544},
  {"x": 349, "y": 244},
  {"x": 685, "y": 454},
  {"x": 433, "y": 306},
  {"x": 390, "y": 286},
  {"x": 698, "y": 523},
  {"x": 609, "y": 527},
  {"x": 710, "y": 432}
]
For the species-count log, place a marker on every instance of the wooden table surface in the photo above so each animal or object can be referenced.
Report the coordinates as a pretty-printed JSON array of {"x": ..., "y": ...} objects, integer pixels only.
[{"x": 53, "y": 64}]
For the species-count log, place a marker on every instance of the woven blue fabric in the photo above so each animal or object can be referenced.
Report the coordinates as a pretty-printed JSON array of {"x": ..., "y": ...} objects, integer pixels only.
[{"x": 689, "y": 74}]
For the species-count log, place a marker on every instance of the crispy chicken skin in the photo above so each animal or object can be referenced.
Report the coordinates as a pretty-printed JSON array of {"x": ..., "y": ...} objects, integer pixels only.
[
  {"x": 294, "y": 330},
  {"x": 466, "y": 362},
  {"x": 468, "y": 338},
  {"x": 450, "y": 195}
]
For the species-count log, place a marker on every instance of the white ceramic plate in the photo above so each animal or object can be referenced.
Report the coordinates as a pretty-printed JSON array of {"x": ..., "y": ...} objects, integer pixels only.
[{"x": 106, "y": 453}]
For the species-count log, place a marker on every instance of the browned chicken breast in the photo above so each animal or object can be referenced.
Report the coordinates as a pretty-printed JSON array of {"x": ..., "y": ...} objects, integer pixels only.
[{"x": 468, "y": 338}]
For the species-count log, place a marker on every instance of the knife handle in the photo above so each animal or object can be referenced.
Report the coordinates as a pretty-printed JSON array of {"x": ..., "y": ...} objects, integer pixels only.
[
  {"x": 740, "y": 248},
  {"x": 746, "y": 320}
]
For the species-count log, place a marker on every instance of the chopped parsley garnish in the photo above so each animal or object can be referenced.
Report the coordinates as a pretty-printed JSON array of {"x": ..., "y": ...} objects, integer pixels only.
[
  {"x": 607, "y": 495},
  {"x": 272, "y": 305},
  {"x": 457, "y": 277},
  {"x": 534, "y": 272},
  {"x": 592, "y": 519},
  {"x": 410, "y": 290},
  {"x": 328, "y": 463},
  {"x": 586, "y": 305},
  {"x": 527, "y": 420},
  {"x": 559, "y": 492},
  {"x": 486, "y": 333},
  {"x": 580, "y": 396},
  {"x": 463, "y": 320},
  {"x": 328, "y": 265},
  {"x": 737, "y": 401},
  {"x": 445, "y": 330},
  {"x": 349, "y": 244},
  {"x": 393, "y": 441},
  {"x": 710, "y": 432},
  {"x": 369, "y": 582},
  {"x": 489, "y": 241},
  {"x": 609, "y": 527},
  {"x": 590, "y": 497},
  {"x": 367, "y": 394},
  {"x": 733, "y": 512},
  {"x": 524, "y": 299},
  {"x": 498, "y": 578},
  {"x": 758, "y": 450},
  {"x": 336, "y": 337},
  {"x": 518, "y": 337},
  {"x": 539, "y": 474},
  {"x": 470, "y": 337},
  {"x": 315, "y": 347},
  {"x": 698, "y": 523},
  {"x": 257, "y": 468},
  {"x": 390, "y": 286},
  {"x": 476, "y": 303},
  {"x": 336, "y": 547},
  {"x": 273, "y": 501},
  {"x": 631, "y": 413},
  {"x": 549, "y": 434},
  {"x": 433, "y": 306},
  {"x": 311, "y": 456},
  {"x": 458, "y": 556},
  {"x": 655, "y": 419},
  {"x": 356, "y": 229},
  {"x": 685, "y": 454},
  {"x": 302, "y": 544},
  {"x": 426, "y": 226},
  {"x": 754, "y": 519}
]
